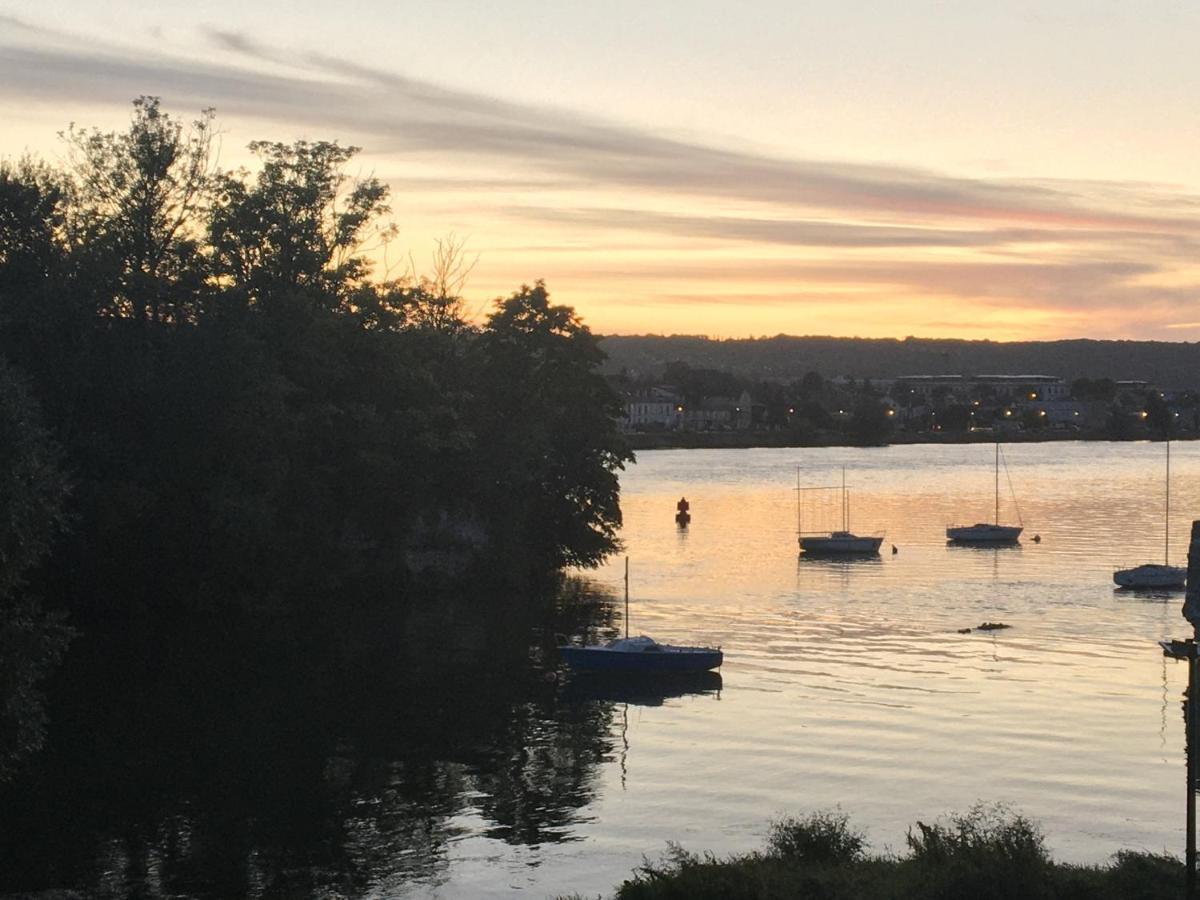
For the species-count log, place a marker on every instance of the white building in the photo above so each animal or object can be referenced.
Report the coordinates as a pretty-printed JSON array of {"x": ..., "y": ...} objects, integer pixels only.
[{"x": 653, "y": 408}]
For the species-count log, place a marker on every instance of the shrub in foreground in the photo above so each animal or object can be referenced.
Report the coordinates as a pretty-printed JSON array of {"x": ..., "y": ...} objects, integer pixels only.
[
  {"x": 987, "y": 853},
  {"x": 822, "y": 838}
]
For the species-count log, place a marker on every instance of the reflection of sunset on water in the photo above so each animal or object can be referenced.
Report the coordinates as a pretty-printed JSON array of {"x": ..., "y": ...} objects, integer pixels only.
[{"x": 848, "y": 682}]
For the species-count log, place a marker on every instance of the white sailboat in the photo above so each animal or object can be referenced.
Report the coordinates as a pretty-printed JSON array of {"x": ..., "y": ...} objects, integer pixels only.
[
  {"x": 843, "y": 542},
  {"x": 987, "y": 532},
  {"x": 1156, "y": 575}
]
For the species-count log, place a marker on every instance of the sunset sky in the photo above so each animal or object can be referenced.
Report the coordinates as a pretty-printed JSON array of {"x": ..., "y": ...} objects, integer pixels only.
[{"x": 1001, "y": 170}]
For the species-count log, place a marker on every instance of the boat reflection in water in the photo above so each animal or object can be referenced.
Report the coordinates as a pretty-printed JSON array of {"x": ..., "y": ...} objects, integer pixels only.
[
  {"x": 999, "y": 546},
  {"x": 640, "y": 688},
  {"x": 839, "y": 560},
  {"x": 1151, "y": 594}
]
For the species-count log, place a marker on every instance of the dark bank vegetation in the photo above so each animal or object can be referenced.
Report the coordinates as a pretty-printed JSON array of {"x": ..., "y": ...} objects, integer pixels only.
[
  {"x": 678, "y": 405},
  {"x": 213, "y": 409},
  {"x": 1170, "y": 364},
  {"x": 988, "y": 853}
]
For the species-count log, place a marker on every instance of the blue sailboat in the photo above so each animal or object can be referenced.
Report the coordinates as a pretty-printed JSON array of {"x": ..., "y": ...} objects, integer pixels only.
[{"x": 639, "y": 654}]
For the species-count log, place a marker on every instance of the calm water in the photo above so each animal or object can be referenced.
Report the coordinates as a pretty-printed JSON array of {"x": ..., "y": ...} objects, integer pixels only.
[{"x": 845, "y": 683}]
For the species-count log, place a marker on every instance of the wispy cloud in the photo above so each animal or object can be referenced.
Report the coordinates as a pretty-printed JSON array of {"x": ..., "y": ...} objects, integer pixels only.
[
  {"x": 407, "y": 114},
  {"x": 1047, "y": 243},
  {"x": 827, "y": 233}
]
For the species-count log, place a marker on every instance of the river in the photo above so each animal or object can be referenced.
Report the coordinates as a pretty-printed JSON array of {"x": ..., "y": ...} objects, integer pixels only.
[{"x": 846, "y": 684}]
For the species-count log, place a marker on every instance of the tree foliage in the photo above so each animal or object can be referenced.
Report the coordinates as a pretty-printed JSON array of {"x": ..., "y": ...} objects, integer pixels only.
[
  {"x": 551, "y": 442},
  {"x": 33, "y": 491},
  {"x": 296, "y": 227},
  {"x": 136, "y": 197},
  {"x": 251, "y": 417}
]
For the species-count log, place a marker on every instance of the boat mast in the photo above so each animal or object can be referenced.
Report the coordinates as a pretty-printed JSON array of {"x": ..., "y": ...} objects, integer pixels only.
[
  {"x": 627, "y": 596},
  {"x": 845, "y": 503},
  {"x": 997, "y": 482},
  {"x": 1167, "y": 529},
  {"x": 799, "y": 523}
]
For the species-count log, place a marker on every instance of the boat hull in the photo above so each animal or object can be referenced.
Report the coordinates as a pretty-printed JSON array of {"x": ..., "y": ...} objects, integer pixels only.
[
  {"x": 1151, "y": 575},
  {"x": 984, "y": 534},
  {"x": 663, "y": 659},
  {"x": 840, "y": 544}
]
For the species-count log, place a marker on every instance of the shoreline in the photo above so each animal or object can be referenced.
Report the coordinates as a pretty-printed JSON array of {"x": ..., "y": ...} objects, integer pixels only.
[{"x": 734, "y": 440}]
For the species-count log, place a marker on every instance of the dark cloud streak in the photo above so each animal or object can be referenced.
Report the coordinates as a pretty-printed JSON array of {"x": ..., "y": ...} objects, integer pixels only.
[
  {"x": 825, "y": 233},
  {"x": 820, "y": 204},
  {"x": 404, "y": 114}
]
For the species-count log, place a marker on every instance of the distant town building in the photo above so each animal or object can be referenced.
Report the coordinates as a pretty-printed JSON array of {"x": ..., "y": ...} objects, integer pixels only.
[
  {"x": 653, "y": 408},
  {"x": 969, "y": 388},
  {"x": 723, "y": 413},
  {"x": 1031, "y": 387},
  {"x": 1069, "y": 413}
]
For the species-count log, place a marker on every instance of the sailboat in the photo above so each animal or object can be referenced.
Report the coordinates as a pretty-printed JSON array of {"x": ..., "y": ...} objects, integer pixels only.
[
  {"x": 834, "y": 543},
  {"x": 1154, "y": 575},
  {"x": 987, "y": 532},
  {"x": 640, "y": 654}
]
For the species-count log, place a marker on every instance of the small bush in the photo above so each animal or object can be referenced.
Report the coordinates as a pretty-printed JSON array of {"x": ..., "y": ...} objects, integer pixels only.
[
  {"x": 1146, "y": 876},
  {"x": 821, "y": 838},
  {"x": 987, "y": 852}
]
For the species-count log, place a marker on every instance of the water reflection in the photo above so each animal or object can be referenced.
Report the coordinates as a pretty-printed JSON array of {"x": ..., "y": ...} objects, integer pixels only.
[
  {"x": 1158, "y": 594},
  {"x": 265, "y": 768},
  {"x": 984, "y": 546},
  {"x": 641, "y": 689},
  {"x": 441, "y": 752},
  {"x": 838, "y": 562}
]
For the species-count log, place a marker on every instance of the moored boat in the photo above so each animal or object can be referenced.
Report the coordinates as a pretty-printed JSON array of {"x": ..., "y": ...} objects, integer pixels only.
[
  {"x": 1149, "y": 576},
  {"x": 641, "y": 654},
  {"x": 984, "y": 533},
  {"x": 988, "y": 532},
  {"x": 842, "y": 542}
]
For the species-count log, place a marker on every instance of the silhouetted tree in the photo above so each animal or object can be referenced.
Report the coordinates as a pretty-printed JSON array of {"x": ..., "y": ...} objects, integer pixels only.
[
  {"x": 136, "y": 196},
  {"x": 816, "y": 414},
  {"x": 32, "y": 493},
  {"x": 870, "y": 423},
  {"x": 435, "y": 300},
  {"x": 1159, "y": 419},
  {"x": 547, "y": 423},
  {"x": 249, "y": 413},
  {"x": 955, "y": 417},
  {"x": 296, "y": 228}
]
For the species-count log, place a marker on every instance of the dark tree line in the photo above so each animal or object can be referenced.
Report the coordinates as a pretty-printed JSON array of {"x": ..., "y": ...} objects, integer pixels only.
[{"x": 249, "y": 422}]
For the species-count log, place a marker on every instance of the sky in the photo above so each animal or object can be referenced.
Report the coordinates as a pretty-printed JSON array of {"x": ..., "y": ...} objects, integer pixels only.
[{"x": 1008, "y": 171}]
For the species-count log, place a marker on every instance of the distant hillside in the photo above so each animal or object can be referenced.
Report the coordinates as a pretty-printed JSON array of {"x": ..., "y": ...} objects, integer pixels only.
[{"x": 1170, "y": 365}]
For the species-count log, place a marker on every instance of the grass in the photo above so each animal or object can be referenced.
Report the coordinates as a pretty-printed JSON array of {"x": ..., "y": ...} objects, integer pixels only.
[{"x": 987, "y": 853}]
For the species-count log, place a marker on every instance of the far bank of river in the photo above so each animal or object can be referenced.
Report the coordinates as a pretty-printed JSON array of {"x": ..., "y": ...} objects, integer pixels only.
[{"x": 729, "y": 440}]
